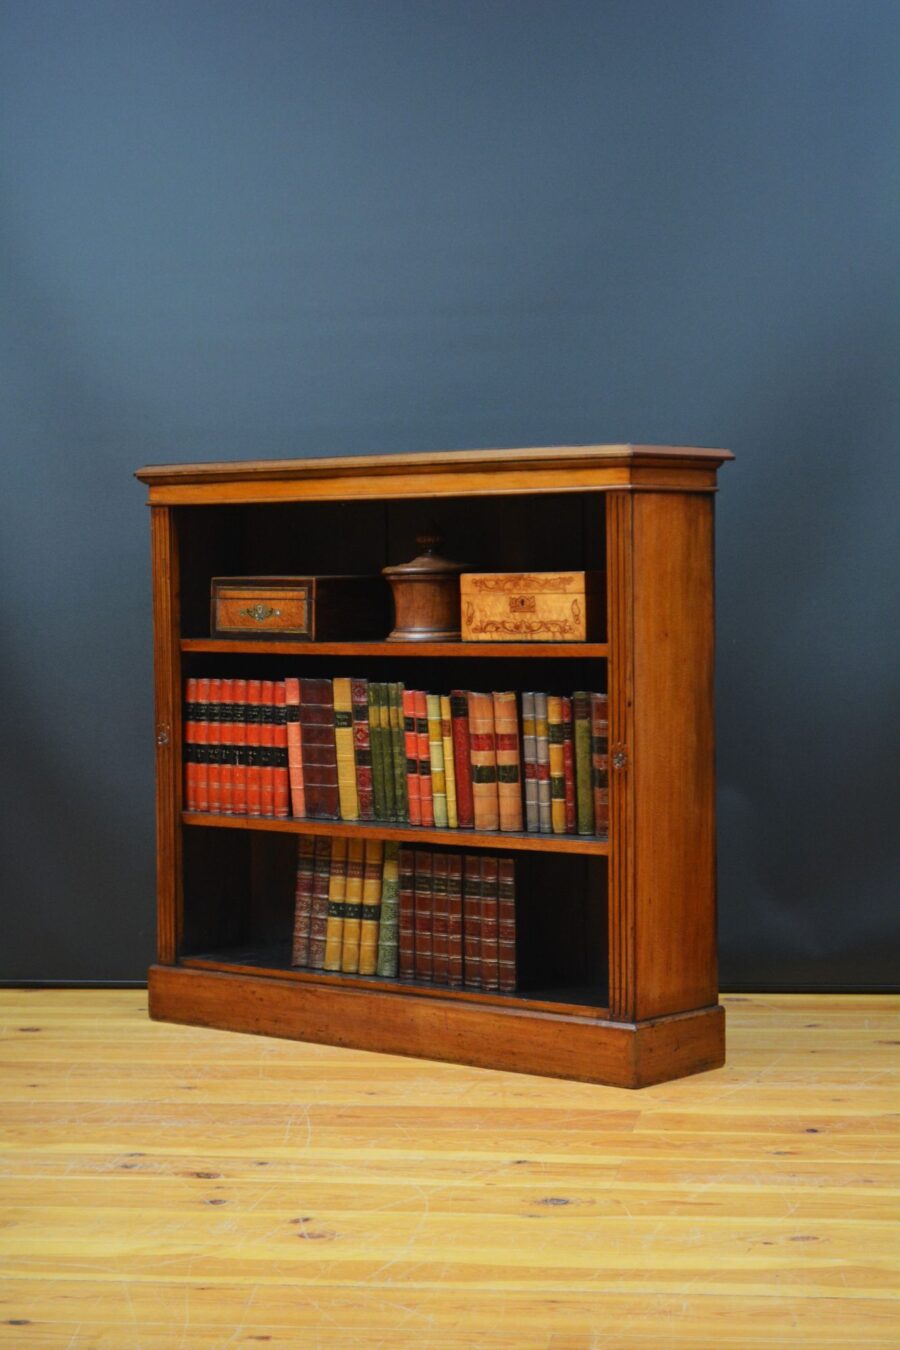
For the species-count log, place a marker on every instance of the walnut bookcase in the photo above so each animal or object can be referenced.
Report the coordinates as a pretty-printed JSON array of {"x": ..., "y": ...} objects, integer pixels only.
[{"x": 616, "y": 938}]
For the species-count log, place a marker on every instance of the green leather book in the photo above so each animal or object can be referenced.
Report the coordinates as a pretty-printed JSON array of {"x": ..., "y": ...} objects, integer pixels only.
[
  {"x": 388, "y": 931},
  {"x": 376, "y": 749},
  {"x": 398, "y": 752}
]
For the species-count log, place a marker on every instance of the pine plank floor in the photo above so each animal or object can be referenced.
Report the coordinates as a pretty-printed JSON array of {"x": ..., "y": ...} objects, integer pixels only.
[{"x": 165, "y": 1186}]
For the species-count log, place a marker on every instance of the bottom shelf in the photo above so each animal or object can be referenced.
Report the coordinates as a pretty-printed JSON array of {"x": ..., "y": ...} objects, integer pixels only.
[{"x": 273, "y": 960}]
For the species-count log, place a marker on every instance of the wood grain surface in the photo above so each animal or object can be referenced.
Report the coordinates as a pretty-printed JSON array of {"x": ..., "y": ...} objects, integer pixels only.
[{"x": 168, "y": 1186}]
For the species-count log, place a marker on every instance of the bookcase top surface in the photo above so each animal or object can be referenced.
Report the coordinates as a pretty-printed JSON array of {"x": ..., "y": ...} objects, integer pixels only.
[{"x": 546, "y": 458}]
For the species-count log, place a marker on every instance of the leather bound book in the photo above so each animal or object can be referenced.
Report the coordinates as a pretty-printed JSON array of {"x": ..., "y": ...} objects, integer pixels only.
[
  {"x": 506, "y": 924},
  {"x": 318, "y": 922},
  {"x": 490, "y": 931},
  {"x": 584, "y": 791},
  {"x": 411, "y": 748},
  {"x": 472, "y": 921},
  {"x": 379, "y": 734},
  {"x": 529, "y": 764},
  {"x": 424, "y": 915},
  {"x": 303, "y": 889},
  {"x": 509, "y": 778},
  {"x": 449, "y": 767},
  {"x": 189, "y": 752},
  {"x": 600, "y": 761},
  {"x": 281, "y": 784},
  {"x": 226, "y": 749},
  {"x": 388, "y": 929},
  {"x": 387, "y": 752},
  {"x": 201, "y": 729},
  {"x": 426, "y": 795},
  {"x": 406, "y": 928},
  {"x": 542, "y": 749},
  {"x": 569, "y": 763},
  {"x": 267, "y": 745},
  {"x": 398, "y": 752},
  {"x": 371, "y": 906},
  {"x": 436, "y": 753},
  {"x": 362, "y": 748},
  {"x": 483, "y": 754},
  {"x": 253, "y": 747},
  {"x": 353, "y": 895},
  {"x": 213, "y": 745},
  {"x": 344, "y": 751},
  {"x": 337, "y": 894},
  {"x": 295, "y": 755},
  {"x": 320, "y": 780},
  {"x": 462, "y": 766},
  {"x": 454, "y": 921},
  {"x": 440, "y": 929},
  {"x": 239, "y": 734},
  {"x": 557, "y": 764}
]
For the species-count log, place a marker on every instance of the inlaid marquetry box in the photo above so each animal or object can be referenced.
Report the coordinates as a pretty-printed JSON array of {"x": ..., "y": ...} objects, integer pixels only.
[{"x": 531, "y": 606}]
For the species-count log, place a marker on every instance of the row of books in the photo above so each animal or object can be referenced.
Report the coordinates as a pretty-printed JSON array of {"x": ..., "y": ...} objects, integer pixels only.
[
  {"x": 356, "y": 749},
  {"x": 370, "y": 907}
]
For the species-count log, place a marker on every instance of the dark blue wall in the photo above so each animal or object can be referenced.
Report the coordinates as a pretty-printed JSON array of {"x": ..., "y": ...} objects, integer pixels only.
[{"x": 278, "y": 229}]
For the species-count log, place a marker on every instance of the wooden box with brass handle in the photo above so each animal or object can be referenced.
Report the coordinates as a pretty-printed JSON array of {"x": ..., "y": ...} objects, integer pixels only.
[{"x": 300, "y": 609}]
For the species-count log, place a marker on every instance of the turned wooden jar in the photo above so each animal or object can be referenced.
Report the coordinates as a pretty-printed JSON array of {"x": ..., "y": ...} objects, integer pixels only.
[{"x": 426, "y": 596}]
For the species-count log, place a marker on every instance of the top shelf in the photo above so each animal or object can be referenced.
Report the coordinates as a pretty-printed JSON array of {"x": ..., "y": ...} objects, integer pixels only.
[{"x": 261, "y": 646}]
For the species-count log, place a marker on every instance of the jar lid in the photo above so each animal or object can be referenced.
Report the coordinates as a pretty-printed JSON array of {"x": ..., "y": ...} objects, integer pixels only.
[{"x": 428, "y": 563}]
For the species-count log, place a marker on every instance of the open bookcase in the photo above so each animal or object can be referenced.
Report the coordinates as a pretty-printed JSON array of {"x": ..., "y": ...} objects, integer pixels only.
[{"x": 615, "y": 939}]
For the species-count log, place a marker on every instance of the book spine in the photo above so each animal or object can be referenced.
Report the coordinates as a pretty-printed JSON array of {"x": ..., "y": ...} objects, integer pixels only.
[
  {"x": 440, "y": 927},
  {"x": 569, "y": 763},
  {"x": 454, "y": 921},
  {"x": 424, "y": 915},
  {"x": 557, "y": 764},
  {"x": 436, "y": 754},
  {"x": 344, "y": 750},
  {"x": 483, "y": 754},
  {"x": 337, "y": 894},
  {"x": 295, "y": 759},
  {"x": 239, "y": 736},
  {"x": 318, "y": 921},
  {"x": 506, "y": 924},
  {"x": 267, "y": 746},
  {"x": 462, "y": 765},
  {"x": 189, "y": 737},
  {"x": 600, "y": 761},
  {"x": 426, "y": 795},
  {"x": 584, "y": 792},
  {"x": 472, "y": 922},
  {"x": 388, "y": 930},
  {"x": 542, "y": 755},
  {"x": 398, "y": 752},
  {"x": 303, "y": 890},
  {"x": 226, "y": 767},
  {"x": 320, "y": 779},
  {"x": 490, "y": 953},
  {"x": 377, "y": 750},
  {"x": 371, "y": 906},
  {"x": 387, "y": 752},
  {"x": 411, "y": 748},
  {"x": 509, "y": 779},
  {"x": 449, "y": 766},
  {"x": 406, "y": 928},
  {"x": 353, "y": 896},
  {"x": 253, "y": 747},
  {"x": 282, "y": 791},
  {"x": 529, "y": 764},
  {"x": 201, "y": 727},
  {"x": 213, "y": 745},
  {"x": 362, "y": 748}
]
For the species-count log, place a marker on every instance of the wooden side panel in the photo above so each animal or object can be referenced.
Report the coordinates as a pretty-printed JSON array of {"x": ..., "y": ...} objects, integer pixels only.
[
  {"x": 619, "y": 531},
  {"x": 164, "y": 550},
  {"x": 672, "y": 755}
]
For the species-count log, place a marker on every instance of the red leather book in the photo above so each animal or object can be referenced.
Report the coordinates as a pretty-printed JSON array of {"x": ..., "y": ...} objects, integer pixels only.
[
  {"x": 295, "y": 753},
  {"x": 490, "y": 930},
  {"x": 303, "y": 889},
  {"x": 462, "y": 765},
  {"x": 226, "y": 748},
  {"x": 569, "y": 763},
  {"x": 424, "y": 916},
  {"x": 320, "y": 779},
  {"x": 483, "y": 758},
  {"x": 600, "y": 761},
  {"x": 472, "y": 922},
  {"x": 267, "y": 745},
  {"x": 281, "y": 786},
  {"x": 440, "y": 928},
  {"x": 426, "y": 802},
  {"x": 406, "y": 929},
  {"x": 454, "y": 921},
  {"x": 506, "y": 924},
  {"x": 411, "y": 746},
  {"x": 362, "y": 748},
  {"x": 509, "y": 777},
  {"x": 318, "y": 922},
  {"x": 254, "y": 718},
  {"x": 239, "y": 736},
  {"x": 201, "y": 729},
  {"x": 189, "y": 749},
  {"x": 213, "y": 744}
]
